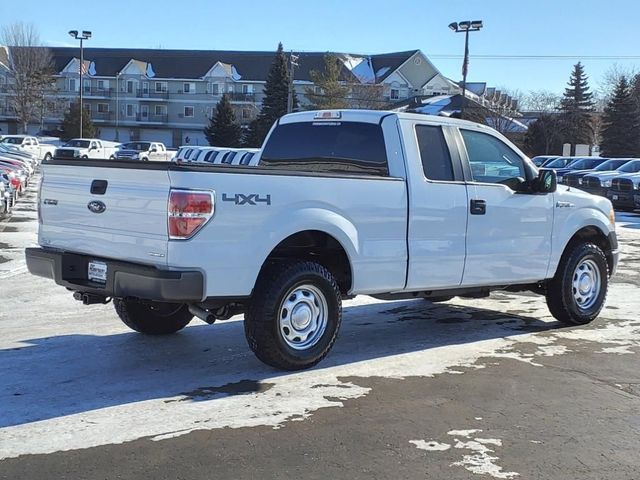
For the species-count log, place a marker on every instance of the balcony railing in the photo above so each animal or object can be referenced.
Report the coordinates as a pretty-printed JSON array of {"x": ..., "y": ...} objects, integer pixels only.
[
  {"x": 103, "y": 116},
  {"x": 98, "y": 92},
  {"x": 142, "y": 93},
  {"x": 241, "y": 97},
  {"x": 152, "y": 118}
]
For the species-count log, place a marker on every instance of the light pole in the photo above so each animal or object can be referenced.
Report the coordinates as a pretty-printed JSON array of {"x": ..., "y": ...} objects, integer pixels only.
[
  {"x": 117, "y": 106},
  {"x": 293, "y": 62},
  {"x": 465, "y": 27},
  {"x": 84, "y": 35}
]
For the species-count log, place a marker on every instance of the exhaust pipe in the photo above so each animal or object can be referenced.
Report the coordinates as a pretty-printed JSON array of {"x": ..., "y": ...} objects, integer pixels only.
[{"x": 202, "y": 314}]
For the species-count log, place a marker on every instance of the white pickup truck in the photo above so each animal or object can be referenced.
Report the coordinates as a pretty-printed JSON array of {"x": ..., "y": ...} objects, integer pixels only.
[
  {"x": 87, "y": 148},
  {"x": 27, "y": 143},
  {"x": 144, "y": 151},
  {"x": 343, "y": 203}
]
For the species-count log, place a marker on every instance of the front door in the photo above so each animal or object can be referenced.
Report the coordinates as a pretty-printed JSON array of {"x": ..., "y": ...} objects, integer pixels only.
[
  {"x": 509, "y": 233},
  {"x": 144, "y": 112},
  {"x": 437, "y": 208}
]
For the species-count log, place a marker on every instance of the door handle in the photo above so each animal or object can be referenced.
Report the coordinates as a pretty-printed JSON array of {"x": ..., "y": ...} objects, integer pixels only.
[{"x": 478, "y": 207}]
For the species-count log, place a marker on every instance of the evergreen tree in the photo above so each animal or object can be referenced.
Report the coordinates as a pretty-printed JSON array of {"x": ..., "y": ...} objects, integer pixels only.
[
  {"x": 223, "y": 130},
  {"x": 635, "y": 90},
  {"x": 71, "y": 123},
  {"x": 334, "y": 92},
  {"x": 275, "y": 102},
  {"x": 621, "y": 132},
  {"x": 543, "y": 136},
  {"x": 576, "y": 107}
]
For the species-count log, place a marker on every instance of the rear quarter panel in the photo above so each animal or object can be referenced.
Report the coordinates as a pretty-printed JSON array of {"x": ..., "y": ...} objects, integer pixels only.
[{"x": 367, "y": 217}]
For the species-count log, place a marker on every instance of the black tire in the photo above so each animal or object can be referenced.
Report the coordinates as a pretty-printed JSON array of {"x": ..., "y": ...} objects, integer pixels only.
[
  {"x": 112, "y": 157},
  {"x": 153, "y": 318},
  {"x": 85, "y": 157},
  {"x": 560, "y": 290},
  {"x": 47, "y": 157},
  {"x": 276, "y": 284}
]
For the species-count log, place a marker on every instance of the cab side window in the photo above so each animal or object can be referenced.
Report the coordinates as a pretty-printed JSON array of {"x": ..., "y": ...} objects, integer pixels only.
[
  {"x": 434, "y": 153},
  {"x": 491, "y": 160}
]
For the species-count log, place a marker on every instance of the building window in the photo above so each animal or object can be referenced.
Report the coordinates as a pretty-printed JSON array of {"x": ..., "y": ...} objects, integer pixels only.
[
  {"x": 395, "y": 94},
  {"x": 213, "y": 88},
  {"x": 188, "y": 112},
  {"x": 103, "y": 108},
  {"x": 189, "y": 87},
  {"x": 73, "y": 85},
  {"x": 131, "y": 110},
  {"x": 87, "y": 85},
  {"x": 129, "y": 86},
  {"x": 246, "y": 113},
  {"x": 247, "y": 89},
  {"x": 160, "y": 110},
  {"x": 103, "y": 85},
  {"x": 161, "y": 87}
]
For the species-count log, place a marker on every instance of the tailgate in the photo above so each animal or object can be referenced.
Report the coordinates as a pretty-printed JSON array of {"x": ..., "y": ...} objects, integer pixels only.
[{"x": 128, "y": 221}]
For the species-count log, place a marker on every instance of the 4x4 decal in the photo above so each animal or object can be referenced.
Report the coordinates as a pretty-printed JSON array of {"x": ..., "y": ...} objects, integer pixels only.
[{"x": 246, "y": 199}]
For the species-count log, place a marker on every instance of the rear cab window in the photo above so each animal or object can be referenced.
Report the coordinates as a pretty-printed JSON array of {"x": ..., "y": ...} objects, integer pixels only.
[
  {"x": 339, "y": 147},
  {"x": 434, "y": 153}
]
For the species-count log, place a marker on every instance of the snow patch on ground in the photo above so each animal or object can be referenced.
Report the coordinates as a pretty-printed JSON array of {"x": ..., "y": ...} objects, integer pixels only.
[{"x": 482, "y": 459}]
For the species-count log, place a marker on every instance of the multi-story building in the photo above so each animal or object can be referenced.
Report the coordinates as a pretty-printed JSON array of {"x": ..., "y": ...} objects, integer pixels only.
[{"x": 169, "y": 95}]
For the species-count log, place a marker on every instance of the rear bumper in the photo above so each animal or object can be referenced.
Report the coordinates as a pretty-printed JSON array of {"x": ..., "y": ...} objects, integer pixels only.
[{"x": 124, "y": 279}]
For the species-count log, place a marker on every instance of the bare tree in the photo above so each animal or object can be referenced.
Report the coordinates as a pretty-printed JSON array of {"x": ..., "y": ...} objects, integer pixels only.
[
  {"x": 367, "y": 96},
  {"x": 543, "y": 101},
  {"x": 30, "y": 70}
]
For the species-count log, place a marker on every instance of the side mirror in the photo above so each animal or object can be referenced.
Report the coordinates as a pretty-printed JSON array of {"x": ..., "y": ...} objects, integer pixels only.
[{"x": 546, "y": 181}]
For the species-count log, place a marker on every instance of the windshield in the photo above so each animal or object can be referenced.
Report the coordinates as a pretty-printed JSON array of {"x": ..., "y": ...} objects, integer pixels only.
[
  {"x": 585, "y": 163},
  {"x": 78, "y": 143},
  {"x": 558, "y": 163},
  {"x": 630, "y": 167},
  {"x": 13, "y": 140},
  {"x": 137, "y": 146},
  {"x": 610, "y": 165}
]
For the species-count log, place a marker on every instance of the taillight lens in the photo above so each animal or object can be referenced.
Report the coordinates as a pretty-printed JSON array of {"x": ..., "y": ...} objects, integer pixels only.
[{"x": 189, "y": 211}]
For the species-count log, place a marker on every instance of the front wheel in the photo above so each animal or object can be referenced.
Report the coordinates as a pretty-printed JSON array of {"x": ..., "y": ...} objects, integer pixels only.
[
  {"x": 153, "y": 318},
  {"x": 294, "y": 315},
  {"x": 47, "y": 157},
  {"x": 577, "y": 293}
]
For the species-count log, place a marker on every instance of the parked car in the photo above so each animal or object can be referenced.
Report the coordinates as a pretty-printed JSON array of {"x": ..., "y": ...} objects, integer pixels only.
[
  {"x": 143, "y": 151},
  {"x": 579, "y": 164},
  {"x": 392, "y": 205},
  {"x": 623, "y": 190},
  {"x": 9, "y": 151},
  {"x": 575, "y": 178},
  {"x": 27, "y": 143},
  {"x": 6, "y": 200},
  {"x": 7, "y": 178},
  {"x": 540, "y": 160},
  {"x": 16, "y": 176},
  {"x": 597, "y": 183},
  {"x": 88, "y": 148}
]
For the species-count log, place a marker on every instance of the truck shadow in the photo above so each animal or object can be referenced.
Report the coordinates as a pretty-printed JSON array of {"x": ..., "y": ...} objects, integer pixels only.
[
  {"x": 64, "y": 375},
  {"x": 629, "y": 220}
]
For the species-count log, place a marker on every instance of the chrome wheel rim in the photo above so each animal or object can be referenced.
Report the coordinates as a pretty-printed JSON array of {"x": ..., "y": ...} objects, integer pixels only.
[
  {"x": 303, "y": 317},
  {"x": 586, "y": 285}
]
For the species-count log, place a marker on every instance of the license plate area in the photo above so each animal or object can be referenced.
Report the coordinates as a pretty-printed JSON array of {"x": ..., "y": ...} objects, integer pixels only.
[
  {"x": 614, "y": 197},
  {"x": 97, "y": 272}
]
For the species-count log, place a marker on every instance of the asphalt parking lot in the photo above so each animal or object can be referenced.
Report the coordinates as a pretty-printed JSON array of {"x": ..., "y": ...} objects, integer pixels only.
[{"x": 467, "y": 389}]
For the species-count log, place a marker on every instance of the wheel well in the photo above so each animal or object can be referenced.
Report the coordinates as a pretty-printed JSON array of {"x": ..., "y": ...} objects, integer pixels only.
[
  {"x": 597, "y": 237},
  {"x": 319, "y": 247}
]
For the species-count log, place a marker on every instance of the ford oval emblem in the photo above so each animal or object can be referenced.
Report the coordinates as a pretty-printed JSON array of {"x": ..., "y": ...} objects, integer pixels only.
[{"x": 96, "y": 206}]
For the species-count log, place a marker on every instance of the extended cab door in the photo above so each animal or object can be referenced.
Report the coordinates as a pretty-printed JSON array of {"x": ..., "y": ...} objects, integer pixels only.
[
  {"x": 437, "y": 206},
  {"x": 509, "y": 232},
  {"x": 96, "y": 149}
]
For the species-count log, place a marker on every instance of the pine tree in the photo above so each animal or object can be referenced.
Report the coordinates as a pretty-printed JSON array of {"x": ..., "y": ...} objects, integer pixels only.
[
  {"x": 334, "y": 93},
  {"x": 70, "y": 127},
  {"x": 223, "y": 130},
  {"x": 621, "y": 132},
  {"x": 543, "y": 136},
  {"x": 275, "y": 102},
  {"x": 576, "y": 107}
]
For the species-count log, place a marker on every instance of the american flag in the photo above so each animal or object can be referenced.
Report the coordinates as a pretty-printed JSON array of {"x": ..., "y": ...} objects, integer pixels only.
[{"x": 82, "y": 68}]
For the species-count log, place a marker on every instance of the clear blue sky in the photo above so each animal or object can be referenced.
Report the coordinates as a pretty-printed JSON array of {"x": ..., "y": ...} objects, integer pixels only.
[{"x": 579, "y": 28}]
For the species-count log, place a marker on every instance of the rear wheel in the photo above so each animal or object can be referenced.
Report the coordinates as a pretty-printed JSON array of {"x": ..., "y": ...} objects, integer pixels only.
[
  {"x": 294, "y": 315},
  {"x": 577, "y": 293},
  {"x": 47, "y": 157},
  {"x": 153, "y": 318}
]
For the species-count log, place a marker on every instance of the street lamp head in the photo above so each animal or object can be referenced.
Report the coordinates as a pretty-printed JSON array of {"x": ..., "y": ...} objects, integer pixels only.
[
  {"x": 466, "y": 25},
  {"x": 86, "y": 34},
  {"x": 476, "y": 24},
  {"x": 73, "y": 33},
  {"x": 454, "y": 26}
]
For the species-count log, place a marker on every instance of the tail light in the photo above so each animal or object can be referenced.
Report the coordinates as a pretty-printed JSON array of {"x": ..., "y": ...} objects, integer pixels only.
[{"x": 189, "y": 211}]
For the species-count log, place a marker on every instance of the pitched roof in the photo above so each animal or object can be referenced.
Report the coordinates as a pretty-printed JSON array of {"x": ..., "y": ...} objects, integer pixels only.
[{"x": 251, "y": 65}]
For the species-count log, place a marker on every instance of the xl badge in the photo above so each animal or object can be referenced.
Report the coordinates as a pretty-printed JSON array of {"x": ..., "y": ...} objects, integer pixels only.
[{"x": 96, "y": 206}]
